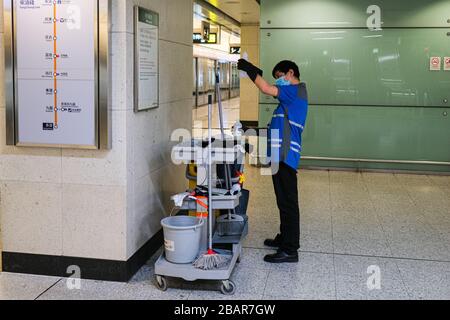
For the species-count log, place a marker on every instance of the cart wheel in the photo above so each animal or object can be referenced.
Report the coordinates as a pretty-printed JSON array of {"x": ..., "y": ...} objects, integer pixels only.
[
  {"x": 228, "y": 288},
  {"x": 161, "y": 283}
]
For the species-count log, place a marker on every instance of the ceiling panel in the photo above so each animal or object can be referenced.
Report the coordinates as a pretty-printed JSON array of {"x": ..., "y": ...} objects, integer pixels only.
[{"x": 244, "y": 11}]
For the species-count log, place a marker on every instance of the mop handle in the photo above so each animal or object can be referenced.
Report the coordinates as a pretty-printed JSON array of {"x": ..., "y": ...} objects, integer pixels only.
[
  {"x": 219, "y": 100},
  {"x": 209, "y": 173},
  {"x": 228, "y": 178},
  {"x": 228, "y": 182}
]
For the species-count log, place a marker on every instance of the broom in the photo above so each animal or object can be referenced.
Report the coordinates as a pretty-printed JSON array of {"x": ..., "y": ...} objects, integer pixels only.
[{"x": 211, "y": 259}]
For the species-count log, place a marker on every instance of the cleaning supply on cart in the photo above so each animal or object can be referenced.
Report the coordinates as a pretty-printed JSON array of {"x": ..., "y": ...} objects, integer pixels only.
[
  {"x": 236, "y": 189},
  {"x": 179, "y": 198},
  {"x": 236, "y": 130},
  {"x": 211, "y": 260},
  {"x": 230, "y": 225},
  {"x": 182, "y": 236}
]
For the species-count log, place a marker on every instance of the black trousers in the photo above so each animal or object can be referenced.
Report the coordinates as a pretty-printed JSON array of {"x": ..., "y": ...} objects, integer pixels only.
[{"x": 285, "y": 185}]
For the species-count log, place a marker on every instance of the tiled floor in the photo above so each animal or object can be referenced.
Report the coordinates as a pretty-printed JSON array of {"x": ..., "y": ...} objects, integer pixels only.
[{"x": 349, "y": 222}]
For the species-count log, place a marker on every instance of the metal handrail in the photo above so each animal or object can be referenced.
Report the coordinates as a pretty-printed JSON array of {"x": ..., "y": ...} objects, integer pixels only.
[{"x": 437, "y": 163}]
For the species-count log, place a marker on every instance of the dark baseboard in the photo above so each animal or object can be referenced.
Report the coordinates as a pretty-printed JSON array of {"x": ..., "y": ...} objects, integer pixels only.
[
  {"x": 93, "y": 269},
  {"x": 144, "y": 254}
]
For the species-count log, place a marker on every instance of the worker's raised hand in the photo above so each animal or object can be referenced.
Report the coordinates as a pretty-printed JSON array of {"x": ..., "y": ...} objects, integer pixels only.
[
  {"x": 251, "y": 70},
  {"x": 244, "y": 65}
]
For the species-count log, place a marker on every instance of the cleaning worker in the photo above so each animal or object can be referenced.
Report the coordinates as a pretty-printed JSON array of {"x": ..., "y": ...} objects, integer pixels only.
[{"x": 284, "y": 150}]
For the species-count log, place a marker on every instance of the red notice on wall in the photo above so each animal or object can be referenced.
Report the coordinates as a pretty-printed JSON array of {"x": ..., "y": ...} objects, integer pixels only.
[
  {"x": 435, "y": 63},
  {"x": 447, "y": 63}
]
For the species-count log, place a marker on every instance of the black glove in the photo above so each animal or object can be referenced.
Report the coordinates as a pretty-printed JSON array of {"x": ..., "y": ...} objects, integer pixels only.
[{"x": 251, "y": 70}]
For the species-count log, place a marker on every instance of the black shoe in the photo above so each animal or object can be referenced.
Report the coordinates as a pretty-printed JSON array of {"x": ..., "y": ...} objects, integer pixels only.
[
  {"x": 273, "y": 243},
  {"x": 281, "y": 257}
]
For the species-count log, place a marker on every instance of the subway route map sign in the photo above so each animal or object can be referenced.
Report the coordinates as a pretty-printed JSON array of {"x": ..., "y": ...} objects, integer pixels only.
[{"x": 56, "y": 72}]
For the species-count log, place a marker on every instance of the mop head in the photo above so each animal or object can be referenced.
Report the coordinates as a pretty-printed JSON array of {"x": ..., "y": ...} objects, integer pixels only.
[{"x": 211, "y": 260}]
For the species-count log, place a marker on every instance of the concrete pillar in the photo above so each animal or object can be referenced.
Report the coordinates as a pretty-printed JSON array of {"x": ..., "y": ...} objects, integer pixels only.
[
  {"x": 249, "y": 93},
  {"x": 64, "y": 206}
]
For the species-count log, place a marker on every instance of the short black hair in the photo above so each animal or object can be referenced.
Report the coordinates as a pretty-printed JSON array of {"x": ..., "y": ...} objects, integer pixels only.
[{"x": 286, "y": 65}]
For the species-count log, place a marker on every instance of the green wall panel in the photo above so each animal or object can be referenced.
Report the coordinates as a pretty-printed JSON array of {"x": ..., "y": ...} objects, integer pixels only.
[
  {"x": 372, "y": 95},
  {"x": 379, "y": 133},
  {"x": 360, "y": 67},
  {"x": 353, "y": 13}
]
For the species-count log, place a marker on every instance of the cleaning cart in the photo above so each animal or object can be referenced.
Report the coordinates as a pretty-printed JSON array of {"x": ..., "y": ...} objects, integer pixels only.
[{"x": 220, "y": 237}]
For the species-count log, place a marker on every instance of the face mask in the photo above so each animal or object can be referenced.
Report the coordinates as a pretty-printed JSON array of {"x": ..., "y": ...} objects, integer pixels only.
[{"x": 281, "y": 81}]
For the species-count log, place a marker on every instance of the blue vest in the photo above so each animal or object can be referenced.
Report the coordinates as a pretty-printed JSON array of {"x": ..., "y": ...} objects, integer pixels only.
[{"x": 287, "y": 125}]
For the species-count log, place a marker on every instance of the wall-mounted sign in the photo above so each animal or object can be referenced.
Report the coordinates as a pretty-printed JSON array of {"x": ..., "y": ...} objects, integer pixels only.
[
  {"x": 53, "y": 96},
  {"x": 435, "y": 63},
  {"x": 206, "y": 30},
  {"x": 197, "y": 38},
  {"x": 447, "y": 63},
  {"x": 146, "y": 59},
  {"x": 235, "y": 50}
]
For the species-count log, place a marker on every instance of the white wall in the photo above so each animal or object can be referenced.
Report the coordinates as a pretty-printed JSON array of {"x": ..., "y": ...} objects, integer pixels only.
[
  {"x": 151, "y": 178},
  {"x": 104, "y": 204}
]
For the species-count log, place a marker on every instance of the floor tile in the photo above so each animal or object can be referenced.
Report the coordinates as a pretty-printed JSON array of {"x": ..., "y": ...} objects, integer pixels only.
[
  {"x": 256, "y": 239},
  {"x": 268, "y": 297},
  {"x": 316, "y": 229},
  {"x": 316, "y": 220},
  {"x": 249, "y": 281},
  {"x": 389, "y": 197},
  {"x": 23, "y": 287},
  {"x": 441, "y": 181},
  {"x": 357, "y": 288},
  {"x": 254, "y": 258},
  {"x": 426, "y": 280},
  {"x": 217, "y": 295},
  {"x": 360, "y": 230},
  {"x": 422, "y": 268},
  {"x": 446, "y": 191},
  {"x": 415, "y": 248},
  {"x": 345, "y": 177},
  {"x": 412, "y": 227},
  {"x": 312, "y": 263},
  {"x": 361, "y": 246},
  {"x": 315, "y": 241},
  {"x": 258, "y": 225},
  {"x": 147, "y": 272},
  {"x": 431, "y": 289},
  {"x": 358, "y": 266},
  {"x": 300, "y": 285},
  {"x": 383, "y": 179},
  {"x": 97, "y": 290},
  {"x": 413, "y": 179}
]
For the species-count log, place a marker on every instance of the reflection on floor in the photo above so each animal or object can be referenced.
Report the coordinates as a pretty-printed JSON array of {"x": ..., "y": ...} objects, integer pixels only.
[
  {"x": 200, "y": 117},
  {"x": 351, "y": 223}
]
